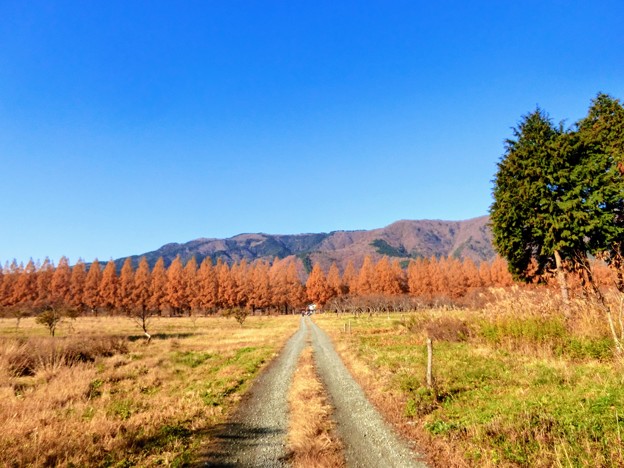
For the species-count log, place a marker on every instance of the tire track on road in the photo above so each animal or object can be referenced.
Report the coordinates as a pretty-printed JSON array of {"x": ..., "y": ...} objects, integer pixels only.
[{"x": 368, "y": 440}]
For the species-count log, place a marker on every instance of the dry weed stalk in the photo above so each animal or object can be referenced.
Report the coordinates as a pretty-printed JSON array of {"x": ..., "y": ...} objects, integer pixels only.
[{"x": 522, "y": 302}]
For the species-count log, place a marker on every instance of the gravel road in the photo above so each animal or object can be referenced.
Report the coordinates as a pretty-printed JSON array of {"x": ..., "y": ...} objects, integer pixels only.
[
  {"x": 256, "y": 434},
  {"x": 368, "y": 440}
]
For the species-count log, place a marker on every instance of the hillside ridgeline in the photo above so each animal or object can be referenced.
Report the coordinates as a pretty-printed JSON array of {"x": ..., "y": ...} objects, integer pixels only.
[{"x": 404, "y": 240}]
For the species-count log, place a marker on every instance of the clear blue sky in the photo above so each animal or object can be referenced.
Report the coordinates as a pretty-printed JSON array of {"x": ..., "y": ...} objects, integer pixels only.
[{"x": 125, "y": 125}]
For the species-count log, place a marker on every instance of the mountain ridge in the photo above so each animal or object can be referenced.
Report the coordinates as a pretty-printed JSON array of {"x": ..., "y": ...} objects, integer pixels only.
[{"x": 403, "y": 239}]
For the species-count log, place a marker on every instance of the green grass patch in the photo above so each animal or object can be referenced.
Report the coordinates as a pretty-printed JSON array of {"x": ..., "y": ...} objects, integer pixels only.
[
  {"x": 190, "y": 358},
  {"x": 95, "y": 388},
  {"x": 121, "y": 409},
  {"x": 233, "y": 374}
]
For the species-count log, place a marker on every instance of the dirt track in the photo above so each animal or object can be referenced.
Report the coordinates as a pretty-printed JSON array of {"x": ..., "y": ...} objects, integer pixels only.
[
  {"x": 256, "y": 434},
  {"x": 368, "y": 440}
]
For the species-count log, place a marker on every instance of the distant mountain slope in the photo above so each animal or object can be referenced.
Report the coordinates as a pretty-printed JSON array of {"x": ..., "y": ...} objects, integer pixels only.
[{"x": 403, "y": 240}]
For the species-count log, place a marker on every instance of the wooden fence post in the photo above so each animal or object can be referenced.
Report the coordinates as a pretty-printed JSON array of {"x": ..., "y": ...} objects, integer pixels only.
[{"x": 429, "y": 363}]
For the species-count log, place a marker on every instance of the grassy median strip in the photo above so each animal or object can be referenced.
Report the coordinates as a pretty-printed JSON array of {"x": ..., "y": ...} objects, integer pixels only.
[
  {"x": 510, "y": 389},
  {"x": 312, "y": 441},
  {"x": 99, "y": 396}
]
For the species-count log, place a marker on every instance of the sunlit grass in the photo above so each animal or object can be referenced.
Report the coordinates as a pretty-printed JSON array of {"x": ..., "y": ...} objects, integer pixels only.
[
  {"x": 510, "y": 389},
  {"x": 142, "y": 405}
]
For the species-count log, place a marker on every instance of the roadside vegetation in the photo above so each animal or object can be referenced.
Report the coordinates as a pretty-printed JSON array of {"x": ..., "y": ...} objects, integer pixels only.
[
  {"x": 514, "y": 383},
  {"x": 98, "y": 395}
]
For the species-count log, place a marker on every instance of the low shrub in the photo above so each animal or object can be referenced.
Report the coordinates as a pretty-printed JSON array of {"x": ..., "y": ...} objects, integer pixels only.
[
  {"x": 437, "y": 327},
  {"x": 449, "y": 329}
]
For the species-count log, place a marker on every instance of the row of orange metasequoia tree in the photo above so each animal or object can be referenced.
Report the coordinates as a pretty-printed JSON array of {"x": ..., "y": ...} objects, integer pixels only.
[{"x": 206, "y": 288}]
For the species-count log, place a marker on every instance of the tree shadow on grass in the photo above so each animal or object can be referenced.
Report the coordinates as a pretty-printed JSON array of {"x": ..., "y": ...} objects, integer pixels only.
[
  {"x": 161, "y": 336},
  {"x": 232, "y": 444}
]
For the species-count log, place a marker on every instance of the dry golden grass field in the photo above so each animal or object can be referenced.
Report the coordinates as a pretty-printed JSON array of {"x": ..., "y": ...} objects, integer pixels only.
[
  {"x": 516, "y": 384},
  {"x": 98, "y": 395}
]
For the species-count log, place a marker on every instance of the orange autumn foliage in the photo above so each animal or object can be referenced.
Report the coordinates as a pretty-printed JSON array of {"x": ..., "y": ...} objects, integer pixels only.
[
  {"x": 317, "y": 288},
  {"x": 279, "y": 286}
]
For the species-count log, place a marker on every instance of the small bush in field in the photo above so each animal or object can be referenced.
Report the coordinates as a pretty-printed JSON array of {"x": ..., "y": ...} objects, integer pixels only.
[
  {"x": 239, "y": 313},
  {"x": 50, "y": 319}
]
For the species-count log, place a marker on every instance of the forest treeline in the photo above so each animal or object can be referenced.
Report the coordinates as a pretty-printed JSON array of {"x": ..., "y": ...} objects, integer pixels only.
[{"x": 205, "y": 288}]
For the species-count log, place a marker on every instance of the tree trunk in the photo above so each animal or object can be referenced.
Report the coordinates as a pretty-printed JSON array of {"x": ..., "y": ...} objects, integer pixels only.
[
  {"x": 619, "y": 280},
  {"x": 616, "y": 265},
  {"x": 563, "y": 283}
]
